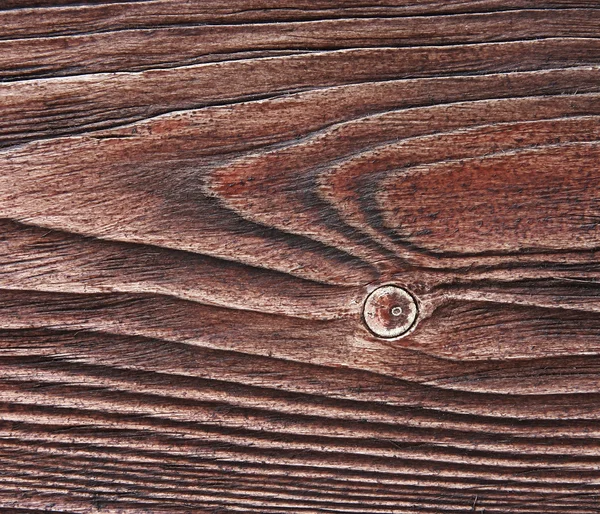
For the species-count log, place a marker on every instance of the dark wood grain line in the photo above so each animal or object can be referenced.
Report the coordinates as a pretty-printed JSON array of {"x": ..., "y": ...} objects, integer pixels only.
[
  {"x": 101, "y": 16},
  {"x": 170, "y": 355},
  {"x": 46, "y": 260},
  {"x": 145, "y": 49},
  {"x": 38, "y": 108}
]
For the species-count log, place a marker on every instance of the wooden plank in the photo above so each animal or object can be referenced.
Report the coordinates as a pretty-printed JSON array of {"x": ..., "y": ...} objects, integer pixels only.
[{"x": 196, "y": 199}]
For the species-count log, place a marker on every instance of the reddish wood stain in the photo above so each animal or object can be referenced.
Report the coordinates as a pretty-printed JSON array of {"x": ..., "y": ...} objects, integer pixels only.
[{"x": 196, "y": 198}]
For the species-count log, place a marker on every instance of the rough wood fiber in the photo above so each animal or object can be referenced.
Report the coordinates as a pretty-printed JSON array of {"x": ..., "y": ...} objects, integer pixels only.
[{"x": 197, "y": 197}]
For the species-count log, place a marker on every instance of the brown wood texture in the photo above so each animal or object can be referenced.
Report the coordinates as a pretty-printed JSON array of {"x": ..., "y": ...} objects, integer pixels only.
[{"x": 197, "y": 197}]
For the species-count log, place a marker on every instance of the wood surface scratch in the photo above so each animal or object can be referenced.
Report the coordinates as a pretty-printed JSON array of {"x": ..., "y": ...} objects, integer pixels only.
[{"x": 196, "y": 198}]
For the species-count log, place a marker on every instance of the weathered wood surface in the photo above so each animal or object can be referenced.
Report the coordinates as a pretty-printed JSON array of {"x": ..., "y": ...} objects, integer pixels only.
[{"x": 197, "y": 197}]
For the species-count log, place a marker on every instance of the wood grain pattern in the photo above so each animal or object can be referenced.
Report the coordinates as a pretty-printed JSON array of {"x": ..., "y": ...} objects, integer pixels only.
[{"x": 197, "y": 197}]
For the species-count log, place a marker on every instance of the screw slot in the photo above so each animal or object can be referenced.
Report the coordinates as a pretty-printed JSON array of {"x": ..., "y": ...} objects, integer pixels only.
[{"x": 390, "y": 311}]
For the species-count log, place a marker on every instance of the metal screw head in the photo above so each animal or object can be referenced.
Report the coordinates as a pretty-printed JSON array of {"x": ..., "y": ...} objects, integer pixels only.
[{"x": 390, "y": 311}]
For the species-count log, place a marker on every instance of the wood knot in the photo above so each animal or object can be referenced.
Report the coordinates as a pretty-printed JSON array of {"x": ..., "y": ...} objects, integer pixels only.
[{"x": 390, "y": 311}]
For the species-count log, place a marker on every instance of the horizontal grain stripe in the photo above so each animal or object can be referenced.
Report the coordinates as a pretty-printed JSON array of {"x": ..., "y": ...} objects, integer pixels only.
[{"x": 154, "y": 48}]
